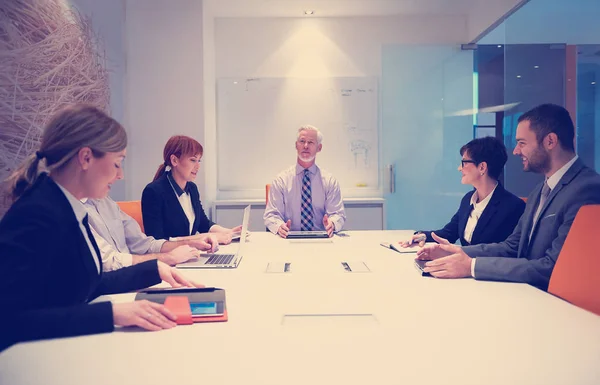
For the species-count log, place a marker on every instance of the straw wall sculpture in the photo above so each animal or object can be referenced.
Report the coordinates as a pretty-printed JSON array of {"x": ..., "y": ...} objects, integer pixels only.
[{"x": 49, "y": 57}]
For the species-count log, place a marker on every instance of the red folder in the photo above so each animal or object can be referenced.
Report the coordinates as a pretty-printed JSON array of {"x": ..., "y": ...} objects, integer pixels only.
[{"x": 180, "y": 306}]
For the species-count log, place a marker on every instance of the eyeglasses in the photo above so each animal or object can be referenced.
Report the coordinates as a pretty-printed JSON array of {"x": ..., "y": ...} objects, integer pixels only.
[{"x": 463, "y": 161}]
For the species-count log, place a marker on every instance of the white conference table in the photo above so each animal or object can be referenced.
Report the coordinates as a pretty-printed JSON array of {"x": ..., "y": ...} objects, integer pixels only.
[{"x": 388, "y": 326}]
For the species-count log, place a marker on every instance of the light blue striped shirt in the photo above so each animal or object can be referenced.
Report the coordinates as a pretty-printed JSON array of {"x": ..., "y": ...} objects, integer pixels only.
[{"x": 285, "y": 197}]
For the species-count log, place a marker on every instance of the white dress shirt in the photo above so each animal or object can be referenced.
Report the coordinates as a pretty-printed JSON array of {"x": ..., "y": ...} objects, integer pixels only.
[
  {"x": 476, "y": 211},
  {"x": 80, "y": 213},
  {"x": 185, "y": 200}
]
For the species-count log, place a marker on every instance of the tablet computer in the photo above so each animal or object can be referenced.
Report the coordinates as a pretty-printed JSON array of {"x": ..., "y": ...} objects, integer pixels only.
[{"x": 420, "y": 265}]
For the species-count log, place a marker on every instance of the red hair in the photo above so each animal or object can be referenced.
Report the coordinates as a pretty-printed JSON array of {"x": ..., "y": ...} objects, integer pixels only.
[{"x": 180, "y": 146}]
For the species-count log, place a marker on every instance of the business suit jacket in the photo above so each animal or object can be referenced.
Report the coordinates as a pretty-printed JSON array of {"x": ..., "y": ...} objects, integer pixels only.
[
  {"x": 520, "y": 260},
  {"x": 47, "y": 274},
  {"x": 496, "y": 223},
  {"x": 163, "y": 215}
]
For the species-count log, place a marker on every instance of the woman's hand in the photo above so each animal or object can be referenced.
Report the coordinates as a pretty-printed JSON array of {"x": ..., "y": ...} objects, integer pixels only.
[
  {"x": 418, "y": 238},
  {"x": 173, "y": 277},
  {"x": 145, "y": 314}
]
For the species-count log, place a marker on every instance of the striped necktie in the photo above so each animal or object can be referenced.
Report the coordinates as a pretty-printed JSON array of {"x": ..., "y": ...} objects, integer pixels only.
[{"x": 306, "y": 212}]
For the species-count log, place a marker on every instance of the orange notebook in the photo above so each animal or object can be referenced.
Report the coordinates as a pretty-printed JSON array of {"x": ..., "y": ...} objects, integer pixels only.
[{"x": 180, "y": 306}]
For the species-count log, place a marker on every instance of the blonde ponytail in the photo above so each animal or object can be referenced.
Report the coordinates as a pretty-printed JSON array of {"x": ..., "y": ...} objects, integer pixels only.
[
  {"x": 69, "y": 130},
  {"x": 24, "y": 177}
]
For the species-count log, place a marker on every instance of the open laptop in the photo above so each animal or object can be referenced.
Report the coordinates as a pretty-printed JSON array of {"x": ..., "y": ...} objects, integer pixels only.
[
  {"x": 219, "y": 260},
  {"x": 307, "y": 234}
]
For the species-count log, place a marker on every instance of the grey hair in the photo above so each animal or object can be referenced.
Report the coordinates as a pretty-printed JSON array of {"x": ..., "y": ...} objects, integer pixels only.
[{"x": 308, "y": 127}]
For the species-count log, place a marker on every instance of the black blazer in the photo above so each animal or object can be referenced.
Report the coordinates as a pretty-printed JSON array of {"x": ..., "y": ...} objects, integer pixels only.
[
  {"x": 163, "y": 215},
  {"x": 496, "y": 223},
  {"x": 47, "y": 274}
]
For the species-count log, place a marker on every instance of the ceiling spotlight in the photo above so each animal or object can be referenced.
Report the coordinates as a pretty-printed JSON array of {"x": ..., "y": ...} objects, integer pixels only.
[
  {"x": 309, "y": 12},
  {"x": 518, "y": 76},
  {"x": 499, "y": 46},
  {"x": 593, "y": 83},
  {"x": 536, "y": 67}
]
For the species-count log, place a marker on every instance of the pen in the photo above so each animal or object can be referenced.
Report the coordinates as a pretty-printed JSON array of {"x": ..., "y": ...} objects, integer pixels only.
[{"x": 422, "y": 237}]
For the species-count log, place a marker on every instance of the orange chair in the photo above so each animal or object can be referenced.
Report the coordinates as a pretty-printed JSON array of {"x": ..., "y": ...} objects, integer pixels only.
[
  {"x": 134, "y": 210},
  {"x": 267, "y": 189},
  {"x": 575, "y": 275}
]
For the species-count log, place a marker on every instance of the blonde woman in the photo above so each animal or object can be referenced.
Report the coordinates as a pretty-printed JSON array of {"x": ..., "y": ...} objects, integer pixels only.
[{"x": 50, "y": 267}]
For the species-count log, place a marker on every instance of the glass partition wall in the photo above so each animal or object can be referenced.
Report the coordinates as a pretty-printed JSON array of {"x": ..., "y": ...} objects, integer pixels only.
[{"x": 434, "y": 99}]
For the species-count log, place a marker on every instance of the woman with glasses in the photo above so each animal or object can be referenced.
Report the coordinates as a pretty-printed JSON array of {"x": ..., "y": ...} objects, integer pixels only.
[{"x": 487, "y": 214}]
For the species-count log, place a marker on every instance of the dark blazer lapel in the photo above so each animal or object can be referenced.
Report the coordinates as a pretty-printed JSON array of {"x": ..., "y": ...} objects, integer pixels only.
[
  {"x": 463, "y": 217},
  {"x": 488, "y": 214},
  {"x": 71, "y": 221},
  {"x": 526, "y": 229},
  {"x": 173, "y": 202},
  {"x": 94, "y": 246},
  {"x": 565, "y": 180},
  {"x": 195, "y": 197}
]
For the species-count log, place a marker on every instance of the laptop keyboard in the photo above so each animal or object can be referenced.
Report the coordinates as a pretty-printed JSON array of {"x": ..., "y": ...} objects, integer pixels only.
[{"x": 219, "y": 259}]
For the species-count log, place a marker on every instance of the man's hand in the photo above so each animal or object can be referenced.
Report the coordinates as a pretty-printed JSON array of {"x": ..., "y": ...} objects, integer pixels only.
[
  {"x": 179, "y": 254},
  {"x": 431, "y": 252},
  {"x": 284, "y": 229},
  {"x": 173, "y": 277},
  {"x": 224, "y": 238},
  {"x": 205, "y": 242},
  {"x": 455, "y": 265},
  {"x": 328, "y": 225}
]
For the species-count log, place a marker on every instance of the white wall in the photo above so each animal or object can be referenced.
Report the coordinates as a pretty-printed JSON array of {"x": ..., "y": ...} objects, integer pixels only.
[
  {"x": 176, "y": 51},
  {"x": 318, "y": 47},
  {"x": 312, "y": 47},
  {"x": 164, "y": 85},
  {"x": 165, "y": 57}
]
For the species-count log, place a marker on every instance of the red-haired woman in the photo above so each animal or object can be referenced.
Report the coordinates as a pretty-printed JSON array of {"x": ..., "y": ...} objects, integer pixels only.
[{"x": 171, "y": 204}]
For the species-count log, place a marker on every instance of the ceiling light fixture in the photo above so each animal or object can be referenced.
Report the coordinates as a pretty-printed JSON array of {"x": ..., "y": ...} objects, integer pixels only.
[
  {"x": 518, "y": 76},
  {"x": 309, "y": 12},
  {"x": 536, "y": 67}
]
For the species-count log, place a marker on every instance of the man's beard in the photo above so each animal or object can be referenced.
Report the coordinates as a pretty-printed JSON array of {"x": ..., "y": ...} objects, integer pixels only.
[{"x": 538, "y": 162}]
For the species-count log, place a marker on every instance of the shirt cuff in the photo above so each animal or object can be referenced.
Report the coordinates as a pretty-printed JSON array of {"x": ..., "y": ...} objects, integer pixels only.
[
  {"x": 473, "y": 260},
  {"x": 156, "y": 246},
  {"x": 274, "y": 226}
]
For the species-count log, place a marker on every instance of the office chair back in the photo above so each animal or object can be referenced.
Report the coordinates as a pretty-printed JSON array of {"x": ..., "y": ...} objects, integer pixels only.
[
  {"x": 267, "y": 189},
  {"x": 134, "y": 210},
  {"x": 575, "y": 276}
]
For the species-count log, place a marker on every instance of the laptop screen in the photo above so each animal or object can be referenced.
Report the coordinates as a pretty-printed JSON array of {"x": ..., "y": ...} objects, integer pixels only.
[{"x": 245, "y": 222}]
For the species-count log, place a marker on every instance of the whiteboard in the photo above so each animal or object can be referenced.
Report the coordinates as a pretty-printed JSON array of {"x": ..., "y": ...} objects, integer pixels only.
[{"x": 258, "y": 120}]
